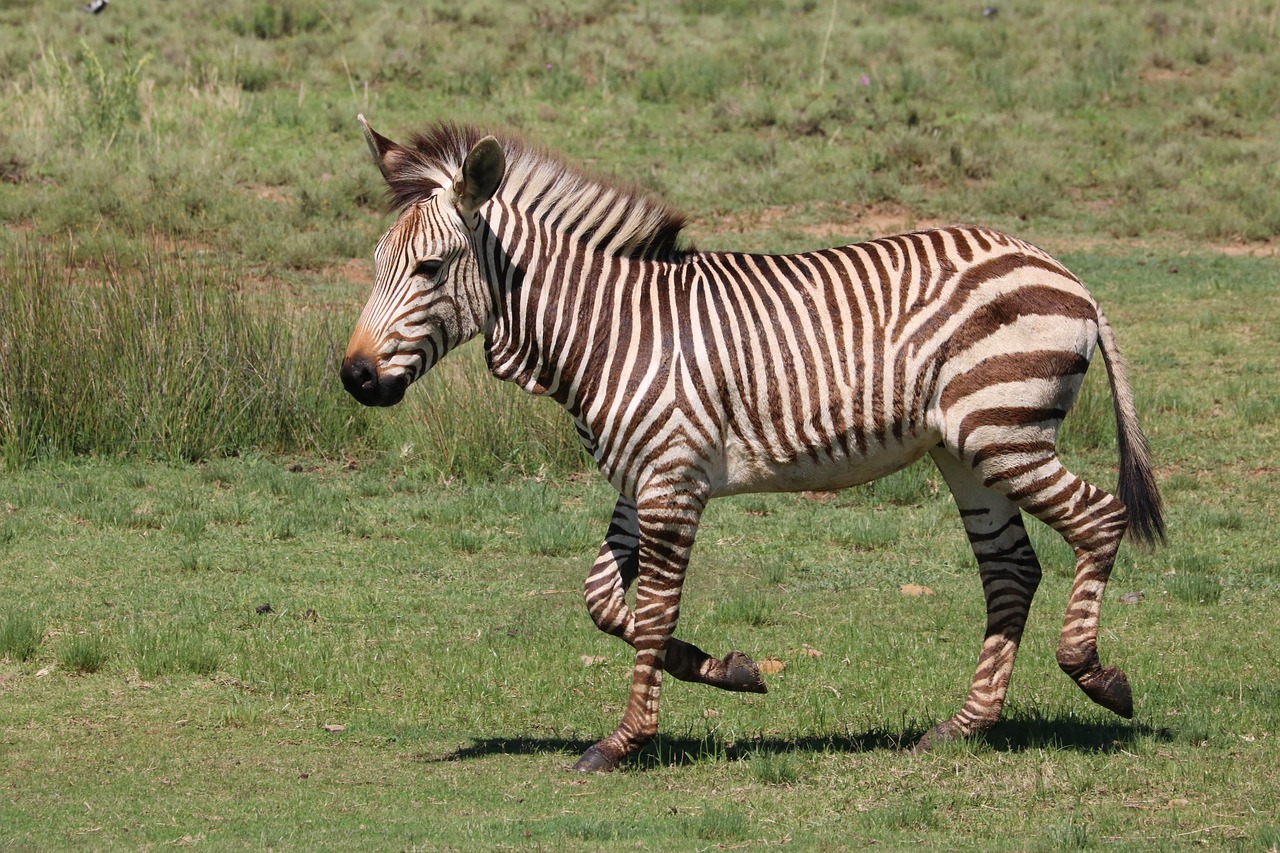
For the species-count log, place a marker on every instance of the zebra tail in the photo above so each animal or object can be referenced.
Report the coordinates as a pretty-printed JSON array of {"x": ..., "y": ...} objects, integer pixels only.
[{"x": 1137, "y": 488}]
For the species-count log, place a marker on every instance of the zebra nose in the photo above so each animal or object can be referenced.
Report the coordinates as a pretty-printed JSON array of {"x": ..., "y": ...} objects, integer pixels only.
[{"x": 360, "y": 378}]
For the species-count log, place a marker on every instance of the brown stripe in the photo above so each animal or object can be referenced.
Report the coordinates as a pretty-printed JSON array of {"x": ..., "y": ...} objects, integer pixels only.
[
  {"x": 1015, "y": 367},
  {"x": 1032, "y": 300},
  {"x": 1005, "y": 416}
]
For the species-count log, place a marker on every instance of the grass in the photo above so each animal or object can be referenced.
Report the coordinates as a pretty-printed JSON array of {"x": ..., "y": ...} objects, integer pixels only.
[
  {"x": 241, "y": 611},
  {"x": 20, "y": 634},
  {"x": 193, "y": 176},
  {"x": 440, "y": 625},
  {"x": 84, "y": 653},
  {"x": 176, "y": 360},
  {"x": 454, "y": 669},
  {"x": 170, "y": 361}
]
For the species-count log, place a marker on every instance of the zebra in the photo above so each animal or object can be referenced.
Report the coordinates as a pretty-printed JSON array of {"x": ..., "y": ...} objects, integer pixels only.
[{"x": 691, "y": 375}]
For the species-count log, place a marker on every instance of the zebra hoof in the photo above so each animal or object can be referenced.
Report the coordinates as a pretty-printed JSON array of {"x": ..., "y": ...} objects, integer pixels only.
[
  {"x": 941, "y": 733},
  {"x": 597, "y": 760},
  {"x": 742, "y": 674},
  {"x": 1110, "y": 689}
]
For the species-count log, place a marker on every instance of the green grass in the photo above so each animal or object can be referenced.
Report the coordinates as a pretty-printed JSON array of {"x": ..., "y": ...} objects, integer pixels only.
[
  {"x": 456, "y": 672},
  {"x": 84, "y": 653},
  {"x": 20, "y": 634},
  {"x": 170, "y": 361},
  {"x": 188, "y": 218},
  {"x": 441, "y": 625},
  {"x": 175, "y": 360}
]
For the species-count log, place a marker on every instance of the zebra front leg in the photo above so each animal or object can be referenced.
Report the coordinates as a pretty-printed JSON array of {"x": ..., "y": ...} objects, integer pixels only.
[
  {"x": 1010, "y": 574},
  {"x": 666, "y": 530},
  {"x": 614, "y": 570}
]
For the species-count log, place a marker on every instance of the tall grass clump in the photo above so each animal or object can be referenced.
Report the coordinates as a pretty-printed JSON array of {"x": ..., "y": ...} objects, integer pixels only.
[
  {"x": 100, "y": 95},
  {"x": 84, "y": 653},
  {"x": 172, "y": 648},
  {"x": 174, "y": 360},
  {"x": 169, "y": 360},
  {"x": 459, "y": 422},
  {"x": 20, "y": 634}
]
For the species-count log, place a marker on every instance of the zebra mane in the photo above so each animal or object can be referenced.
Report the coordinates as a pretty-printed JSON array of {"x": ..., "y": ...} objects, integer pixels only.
[{"x": 623, "y": 221}]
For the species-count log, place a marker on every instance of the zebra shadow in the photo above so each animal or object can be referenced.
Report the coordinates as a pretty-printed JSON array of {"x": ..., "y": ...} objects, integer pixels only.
[{"x": 1018, "y": 734}]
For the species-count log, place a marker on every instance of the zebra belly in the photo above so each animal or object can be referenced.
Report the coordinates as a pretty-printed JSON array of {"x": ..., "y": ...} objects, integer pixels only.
[{"x": 747, "y": 468}]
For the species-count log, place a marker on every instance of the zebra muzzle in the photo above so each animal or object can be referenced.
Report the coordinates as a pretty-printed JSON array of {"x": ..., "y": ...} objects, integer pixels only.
[{"x": 362, "y": 380}]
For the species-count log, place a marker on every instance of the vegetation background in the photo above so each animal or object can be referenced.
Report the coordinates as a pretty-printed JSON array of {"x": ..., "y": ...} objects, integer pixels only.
[{"x": 188, "y": 215}]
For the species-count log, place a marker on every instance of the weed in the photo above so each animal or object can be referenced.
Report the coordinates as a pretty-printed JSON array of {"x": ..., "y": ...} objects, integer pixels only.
[
  {"x": 102, "y": 93},
  {"x": 274, "y": 21},
  {"x": 192, "y": 560},
  {"x": 775, "y": 569},
  {"x": 20, "y": 633},
  {"x": 722, "y": 826},
  {"x": 189, "y": 524},
  {"x": 1070, "y": 834},
  {"x": 775, "y": 768},
  {"x": 84, "y": 653},
  {"x": 911, "y": 814},
  {"x": 552, "y": 535},
  {"x": 865, "y": 530},
  {"x": 169, "y": 648},
  {"x": 745, "y": 607},
  {"x": 1195, "y": 589}
]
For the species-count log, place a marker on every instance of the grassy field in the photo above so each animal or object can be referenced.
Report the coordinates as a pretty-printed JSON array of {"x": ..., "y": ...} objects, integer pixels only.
[
  {"x": 150, "y": 697},
  {"x": 237, "y": 610}
]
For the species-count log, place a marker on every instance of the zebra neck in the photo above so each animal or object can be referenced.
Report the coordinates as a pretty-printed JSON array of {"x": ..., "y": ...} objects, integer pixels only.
[{"x": 565, "y": 321}]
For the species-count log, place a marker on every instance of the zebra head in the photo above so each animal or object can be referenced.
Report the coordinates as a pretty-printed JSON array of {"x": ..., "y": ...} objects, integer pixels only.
[{"x": 428, "y": 296}]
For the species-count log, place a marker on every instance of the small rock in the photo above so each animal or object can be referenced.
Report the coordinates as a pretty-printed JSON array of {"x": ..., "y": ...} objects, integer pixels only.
[
  {"x": 1132, "y": 597},
  {"x": 264, "y": 609}
]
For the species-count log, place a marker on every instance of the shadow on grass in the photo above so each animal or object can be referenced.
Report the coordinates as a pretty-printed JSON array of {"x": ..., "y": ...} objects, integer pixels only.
[
  {"x": 1015, "y": 735},
  {"x": 1023, "y": 732}
]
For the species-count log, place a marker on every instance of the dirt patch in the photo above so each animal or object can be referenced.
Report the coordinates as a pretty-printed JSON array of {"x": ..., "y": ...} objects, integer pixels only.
[
  {"x": 356, "y": 271},
  {"x": 824, "y": 222},
  {"x": 831, "y": 223},
  {"x": 1162, "y": 75},
  {"x": 1269, "y": 249},
  {"x": 276, "y": 195},
  {"x": 882, "y": 219}
]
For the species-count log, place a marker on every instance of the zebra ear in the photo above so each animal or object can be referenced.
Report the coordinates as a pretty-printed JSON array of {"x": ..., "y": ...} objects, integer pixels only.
[
  {"x": 481, "y": 172},
  {"x": 386, "y": 153}
]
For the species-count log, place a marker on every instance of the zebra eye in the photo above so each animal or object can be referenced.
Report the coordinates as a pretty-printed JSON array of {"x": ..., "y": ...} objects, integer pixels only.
[{"x": 428, "y": 268}]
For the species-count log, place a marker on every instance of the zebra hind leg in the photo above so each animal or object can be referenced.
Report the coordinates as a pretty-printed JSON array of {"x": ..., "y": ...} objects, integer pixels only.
[
  {"x": 1010, "y": 574},
  {"x": 1092, "y": 522},
  {"x": 615, "y": 569}
]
